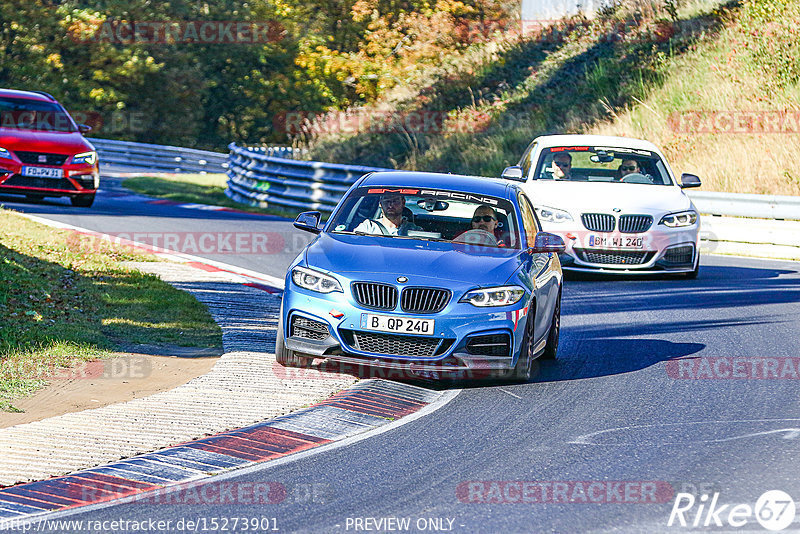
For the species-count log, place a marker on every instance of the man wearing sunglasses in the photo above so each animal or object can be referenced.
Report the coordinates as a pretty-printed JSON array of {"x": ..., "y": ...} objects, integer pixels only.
[
  {"x": 561, "y": 169},
  {"x": 629, "y": 166},
  {"x": 485, "y": 218}
]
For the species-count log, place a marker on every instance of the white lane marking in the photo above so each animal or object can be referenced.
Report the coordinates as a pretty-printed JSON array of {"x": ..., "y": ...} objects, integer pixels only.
[
  {"x": 165, "y": 253},
  {"x": 513, "y": 395},
  {"x": 792, "y": 433},
  {"x": 442, "y": 401}
]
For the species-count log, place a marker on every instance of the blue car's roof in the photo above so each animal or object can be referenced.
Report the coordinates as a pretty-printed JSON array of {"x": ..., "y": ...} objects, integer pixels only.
[{"x": 433, "y": 180}]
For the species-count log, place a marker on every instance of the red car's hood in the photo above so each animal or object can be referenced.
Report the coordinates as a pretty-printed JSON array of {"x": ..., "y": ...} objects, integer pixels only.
[{"x": 42, "y": 141}]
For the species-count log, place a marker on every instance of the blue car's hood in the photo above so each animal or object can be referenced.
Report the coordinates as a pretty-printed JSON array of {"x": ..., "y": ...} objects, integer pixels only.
[{"x": 343, "y": 253}]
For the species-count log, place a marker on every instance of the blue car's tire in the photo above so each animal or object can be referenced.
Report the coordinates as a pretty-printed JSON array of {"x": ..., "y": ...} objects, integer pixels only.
[
  {"x": 284, "y": 356},
  {"x": 523, "y": 369},
  {"x": 551, "y": 348}
]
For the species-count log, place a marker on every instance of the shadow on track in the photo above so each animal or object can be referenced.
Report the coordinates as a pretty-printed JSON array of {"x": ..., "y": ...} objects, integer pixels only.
[{"x": 716, "y": 287}]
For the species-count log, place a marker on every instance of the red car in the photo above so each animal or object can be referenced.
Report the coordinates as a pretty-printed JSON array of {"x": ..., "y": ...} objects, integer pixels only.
[{"x": 42, "y": 150}]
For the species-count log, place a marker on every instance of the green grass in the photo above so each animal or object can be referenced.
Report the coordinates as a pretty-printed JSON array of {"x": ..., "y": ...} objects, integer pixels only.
[
  {"x": 63, "y": 302},
  {"x": 196, "y": 188},
  {"x": 703, "y": 56}
]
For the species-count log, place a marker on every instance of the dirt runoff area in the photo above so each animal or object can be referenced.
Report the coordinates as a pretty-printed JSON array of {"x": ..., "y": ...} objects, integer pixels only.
[{"x": 142, "y": 371}]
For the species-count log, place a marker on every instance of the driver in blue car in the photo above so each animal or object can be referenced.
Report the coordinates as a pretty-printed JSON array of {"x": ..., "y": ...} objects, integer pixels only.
[{"x": 391, "y": 221}]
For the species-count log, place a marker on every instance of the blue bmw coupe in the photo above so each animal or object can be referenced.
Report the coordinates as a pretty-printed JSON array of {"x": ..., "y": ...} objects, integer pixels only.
[{"x": 434, "y": 275}]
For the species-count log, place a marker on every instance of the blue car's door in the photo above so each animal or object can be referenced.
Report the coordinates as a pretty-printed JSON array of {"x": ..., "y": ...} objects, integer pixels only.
[{"x": 541, "y": 271}]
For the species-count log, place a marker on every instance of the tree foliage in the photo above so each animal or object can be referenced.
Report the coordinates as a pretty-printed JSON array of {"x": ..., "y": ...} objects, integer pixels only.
[{"x": 323, "y": 55}]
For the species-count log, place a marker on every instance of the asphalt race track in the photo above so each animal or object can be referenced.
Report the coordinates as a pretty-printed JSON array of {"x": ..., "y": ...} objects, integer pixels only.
[{"x": 601, "y": 440}]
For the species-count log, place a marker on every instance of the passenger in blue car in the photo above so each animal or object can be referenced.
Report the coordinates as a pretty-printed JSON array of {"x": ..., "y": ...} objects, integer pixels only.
[
  {"x": 484, "y": 229},
  {"x": 391, "y": 221}
]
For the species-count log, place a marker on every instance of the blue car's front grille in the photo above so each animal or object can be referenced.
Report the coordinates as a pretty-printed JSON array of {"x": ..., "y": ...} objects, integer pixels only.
[
  {"x": 375, "y": 295},
  {"x": 424, "y": 299},
  {"x": 393, "y": 345}
]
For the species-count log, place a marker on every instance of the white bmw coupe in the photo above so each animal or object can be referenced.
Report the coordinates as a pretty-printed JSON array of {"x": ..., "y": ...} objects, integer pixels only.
[{"x": 616, "y": 203}]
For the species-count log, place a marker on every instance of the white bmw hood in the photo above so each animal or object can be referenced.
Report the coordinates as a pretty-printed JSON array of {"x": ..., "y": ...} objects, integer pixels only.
[{"x": 602, "y": 197}]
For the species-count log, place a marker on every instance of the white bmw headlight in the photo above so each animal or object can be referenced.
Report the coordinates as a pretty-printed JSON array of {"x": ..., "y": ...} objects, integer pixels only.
[
  {"x": 552, "y": 214},
  {"x": 89, "y": 158},
  {"x": 683, "y": 218},
  {"x": 315, "y": 280},
  {"x": 494, "y": 296},
  {"x": 4, "y": 153}
]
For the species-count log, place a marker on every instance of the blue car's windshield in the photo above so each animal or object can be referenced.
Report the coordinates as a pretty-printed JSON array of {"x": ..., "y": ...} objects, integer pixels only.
[{"x": 429, "y": 214}]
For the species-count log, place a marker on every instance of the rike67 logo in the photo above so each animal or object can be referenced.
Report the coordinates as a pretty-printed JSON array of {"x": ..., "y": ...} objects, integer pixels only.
[{"x": 774, "y": 510}]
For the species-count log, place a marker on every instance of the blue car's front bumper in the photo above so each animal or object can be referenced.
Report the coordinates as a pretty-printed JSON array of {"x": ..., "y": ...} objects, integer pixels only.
[{"x": 466, "y": 338}]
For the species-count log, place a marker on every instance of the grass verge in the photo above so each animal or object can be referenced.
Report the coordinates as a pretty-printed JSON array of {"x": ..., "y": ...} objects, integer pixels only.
[
  {"x": 622, "y": 73},
  {"x": 62, "y": 304},
  {"x": 198, "y": 189}
]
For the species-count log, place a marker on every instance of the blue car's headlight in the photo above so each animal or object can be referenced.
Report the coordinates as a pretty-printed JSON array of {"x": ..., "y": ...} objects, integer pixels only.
[
  {"x": 683, "y": 218},
  {"x": 315, "y": 280},
  {"x": 89, "y": 158},
  {"x": 4, "y": 153},
  {"x": 494, "y": 296}
]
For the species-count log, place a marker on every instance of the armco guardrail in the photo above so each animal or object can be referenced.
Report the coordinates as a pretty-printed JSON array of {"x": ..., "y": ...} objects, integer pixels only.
[
  {"x": 259, "y": 177},
  {"x": 158, "y": 157},
  {"x": 742, "y": 205}
]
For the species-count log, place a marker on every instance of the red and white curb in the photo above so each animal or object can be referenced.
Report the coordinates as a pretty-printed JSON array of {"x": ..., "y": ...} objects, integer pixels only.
[{"x": 369, "y": 406}]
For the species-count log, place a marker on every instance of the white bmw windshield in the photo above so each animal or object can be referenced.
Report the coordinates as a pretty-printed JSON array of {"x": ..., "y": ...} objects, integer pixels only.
[{"x": 602, "y": 164}]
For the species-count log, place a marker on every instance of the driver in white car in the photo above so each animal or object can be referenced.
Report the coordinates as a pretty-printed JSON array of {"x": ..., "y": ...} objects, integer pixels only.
[{"x": 629, "y": 166}]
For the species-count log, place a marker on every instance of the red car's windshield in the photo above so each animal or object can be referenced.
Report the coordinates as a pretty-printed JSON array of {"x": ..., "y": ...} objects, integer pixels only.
[{"x": 27, "y": 114}]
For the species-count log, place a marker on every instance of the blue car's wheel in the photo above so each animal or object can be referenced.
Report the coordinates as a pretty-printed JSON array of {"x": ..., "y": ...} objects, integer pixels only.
[
  {"x": 522, "y": 371},
  {"x": 284, "y": 356},
  {"x": 551, "y": 349}
]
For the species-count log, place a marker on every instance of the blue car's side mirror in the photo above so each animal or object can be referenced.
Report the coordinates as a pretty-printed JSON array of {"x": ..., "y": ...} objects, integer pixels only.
[
  {"x": 308, "y": 221},
  {"x": 547, "y": 242}
]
